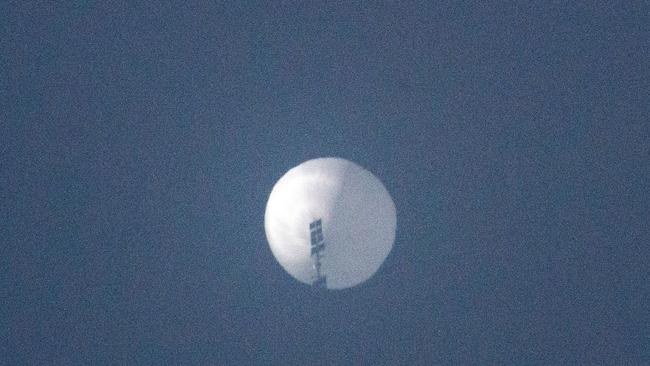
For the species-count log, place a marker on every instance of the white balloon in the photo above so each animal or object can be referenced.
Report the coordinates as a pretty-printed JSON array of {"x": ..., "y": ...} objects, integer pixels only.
[{"x": 358, "y": 220}]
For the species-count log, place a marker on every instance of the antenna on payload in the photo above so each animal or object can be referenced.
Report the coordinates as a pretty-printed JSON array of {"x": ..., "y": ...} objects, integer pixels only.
[{"x": 317, "y": 247}]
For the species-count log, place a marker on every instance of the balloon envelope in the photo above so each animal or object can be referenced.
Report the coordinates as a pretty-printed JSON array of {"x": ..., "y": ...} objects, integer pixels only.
[{"x": 358, "y": 221}]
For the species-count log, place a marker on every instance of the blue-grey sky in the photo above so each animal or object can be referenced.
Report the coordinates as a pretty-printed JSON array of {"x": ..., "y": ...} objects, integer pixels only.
[{"x": 139, "y": 144}]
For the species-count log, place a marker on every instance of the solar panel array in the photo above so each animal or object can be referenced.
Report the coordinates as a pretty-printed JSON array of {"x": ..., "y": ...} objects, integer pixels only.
[{"x": 317, "y": 248}]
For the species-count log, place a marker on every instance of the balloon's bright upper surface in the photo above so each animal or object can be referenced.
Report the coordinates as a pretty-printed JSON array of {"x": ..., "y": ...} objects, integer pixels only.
[{"x": 358, "y": 216}]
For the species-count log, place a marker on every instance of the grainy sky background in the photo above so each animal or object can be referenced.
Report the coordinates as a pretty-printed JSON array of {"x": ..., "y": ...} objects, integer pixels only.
[{"x": 139, "y": 144}]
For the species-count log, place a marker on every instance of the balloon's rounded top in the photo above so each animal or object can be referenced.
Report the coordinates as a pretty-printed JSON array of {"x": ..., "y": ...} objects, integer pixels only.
[{"x": 357, "y": 223}]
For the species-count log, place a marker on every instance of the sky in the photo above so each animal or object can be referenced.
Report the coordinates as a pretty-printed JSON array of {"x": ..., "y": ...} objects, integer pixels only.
[{"x": 139, "y": 144}]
